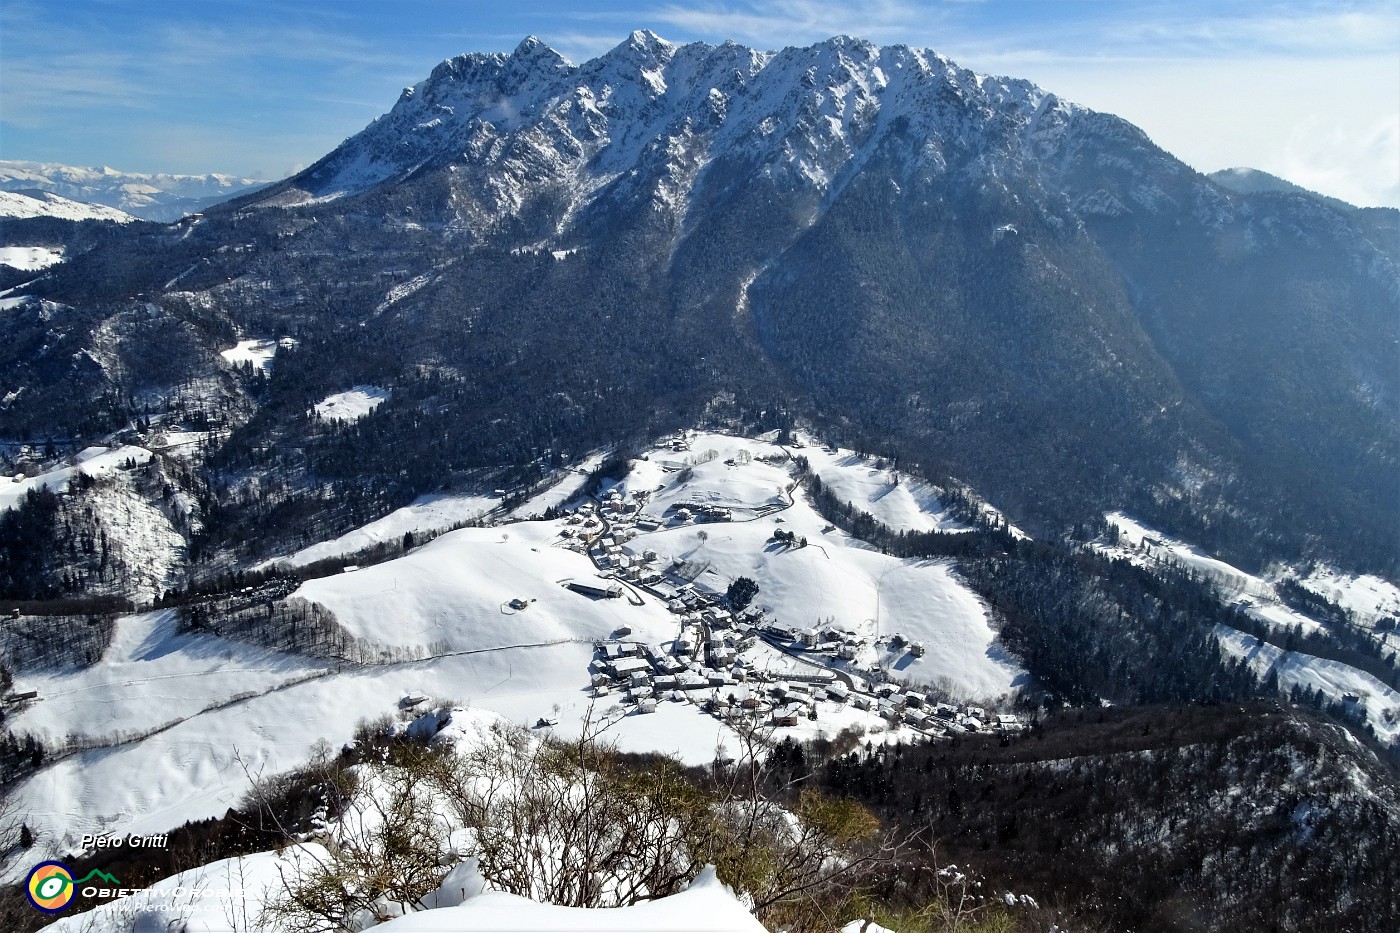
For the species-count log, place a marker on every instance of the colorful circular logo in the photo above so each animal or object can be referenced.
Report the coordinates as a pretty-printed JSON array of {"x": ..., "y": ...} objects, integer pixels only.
[{"x": 49, "y": 886}]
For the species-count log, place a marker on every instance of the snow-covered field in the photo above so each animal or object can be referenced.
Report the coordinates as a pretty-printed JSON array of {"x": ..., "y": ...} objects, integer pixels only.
[
  {"x": 437, "y": 512},
  {"x": 899, "y": 502},
  {"x": 30, "y": 258},
  {"x": 1367, "y": 597},
  {"x": 93, "y": 461},
  {"x": 257, "y": 351},
  {"x": 352, "y": 404},
  {"x": 150, "y": 676},
  {"x": 1335, "y": 679},
  {"x": 457, "y": 588},
  {"x": 203, "y": 765}
]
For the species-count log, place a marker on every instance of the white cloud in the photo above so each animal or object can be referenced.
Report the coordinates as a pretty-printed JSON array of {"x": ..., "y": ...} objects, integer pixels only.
[
  {"x": 1327, "y": 125},
  {"x": 1362, "y": 167}
]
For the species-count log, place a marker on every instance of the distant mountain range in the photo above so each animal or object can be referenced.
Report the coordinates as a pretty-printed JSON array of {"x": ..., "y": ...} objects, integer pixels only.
[
  {"x": 967, "y": 271},
  {"x": 154, "y": 196}
]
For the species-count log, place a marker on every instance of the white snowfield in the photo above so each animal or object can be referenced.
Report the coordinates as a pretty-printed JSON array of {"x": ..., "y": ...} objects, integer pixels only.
[
  {"x": 19, "y": 206},
  {"x": 258, "y": 351},
  {"x": 352, "y": 404},
  {"x": 1368, "y": 597},
  {"x": 456, "y": 590},
  {"x": 150, "y": 676},
  {"x": 30, "y": 258},
  {"x": 1335, "y": 679},
  {"x": 92, "y": 461},
  {"x": 437, "y": 512},
  {"x": 203, "y": 765},
  {"x": 910, "y": 504}
]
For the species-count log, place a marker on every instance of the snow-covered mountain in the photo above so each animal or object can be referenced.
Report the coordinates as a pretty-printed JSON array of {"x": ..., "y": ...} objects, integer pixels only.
[
  {"x": 35, "y": 203},
  {"x": 649, "y": 118},
  {"x": 149, "y": 196}
]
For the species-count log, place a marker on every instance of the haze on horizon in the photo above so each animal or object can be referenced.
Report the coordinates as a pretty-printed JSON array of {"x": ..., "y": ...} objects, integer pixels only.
[{"x": 1306, "y": 91}]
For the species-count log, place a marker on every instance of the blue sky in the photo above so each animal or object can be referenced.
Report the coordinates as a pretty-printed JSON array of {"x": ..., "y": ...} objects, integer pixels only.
[{"x": 1307, "y": 90}]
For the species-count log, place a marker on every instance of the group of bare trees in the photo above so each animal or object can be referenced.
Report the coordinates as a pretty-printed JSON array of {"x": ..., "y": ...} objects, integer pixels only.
[{"x": 577, "y": 823}]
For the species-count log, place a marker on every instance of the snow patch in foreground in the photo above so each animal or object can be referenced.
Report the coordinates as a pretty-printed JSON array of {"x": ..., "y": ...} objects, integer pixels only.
[
  {"x": 351, "y": 405},
  {"x": 706, "y": 905},
  {"x": 230, "y": 894}
]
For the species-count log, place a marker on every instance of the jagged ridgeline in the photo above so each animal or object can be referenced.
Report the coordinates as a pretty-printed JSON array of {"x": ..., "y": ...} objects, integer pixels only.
[{"x": 537, "y": 257}]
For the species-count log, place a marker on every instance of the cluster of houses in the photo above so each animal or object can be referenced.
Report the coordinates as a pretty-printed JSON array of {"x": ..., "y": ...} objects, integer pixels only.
[
  {"x": 928, "y": 715},
  {"x": 619, "y": 519},
  {"x": 709, "y": 662},
  {"x": 839, "y": 643},
  {"x": 643, "y": 674}
]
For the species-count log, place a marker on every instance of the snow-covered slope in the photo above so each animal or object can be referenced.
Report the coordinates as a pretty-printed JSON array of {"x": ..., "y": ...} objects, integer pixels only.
[
  {"x": 150, "y": 676},
  {"x": 352, "y": 404},
  {"x": 93, "y": 461},
  {"x": 1336, "y": 681},
  {"x": 1368, "y": 598},
  {"x": 456, "y": 591},
  {"x": 29, "y": 258},
  {"x": 44, "y": 204},
  {"x": 899, "y": 502},
  {"x": 643, "y": 122},
  {"x": 149, "y": 196}
]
